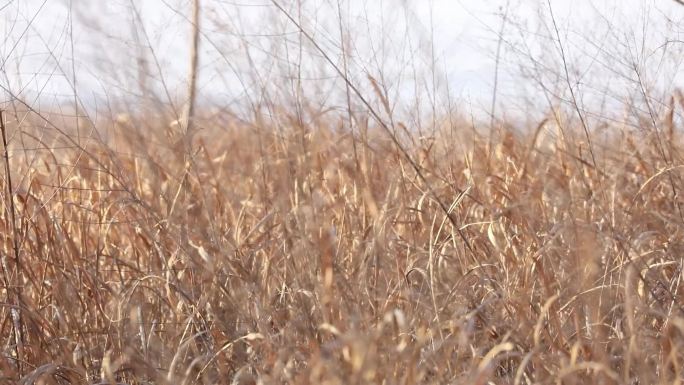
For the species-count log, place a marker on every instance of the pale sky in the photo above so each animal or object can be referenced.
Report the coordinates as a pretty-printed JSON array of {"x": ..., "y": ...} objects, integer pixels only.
[{"x": 390, "y": 36}]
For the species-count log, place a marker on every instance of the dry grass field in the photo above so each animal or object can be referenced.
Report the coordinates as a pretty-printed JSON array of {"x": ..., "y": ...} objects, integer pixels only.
[
  {"x": 316, "y": 243},
  {"x": 296, "y": 255}
]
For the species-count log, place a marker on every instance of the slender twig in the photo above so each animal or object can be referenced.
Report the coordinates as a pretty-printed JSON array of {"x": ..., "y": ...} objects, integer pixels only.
[
  {"x": 189, "y": 111},
  {"x": 348, "y": 91},
  {"x": 575, "y": 102},
  {"x": 189, "y": 117},
  {"x": 496, "y": 78},
  {"x": 15, "y": 311}
]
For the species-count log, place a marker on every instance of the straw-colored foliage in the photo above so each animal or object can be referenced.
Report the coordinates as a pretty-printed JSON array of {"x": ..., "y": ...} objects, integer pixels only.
[{"x": 312, "y": 258}]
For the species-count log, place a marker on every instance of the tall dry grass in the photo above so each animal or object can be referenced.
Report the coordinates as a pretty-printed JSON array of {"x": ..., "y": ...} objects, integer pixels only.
[
  {"x": 310, "y": 261},
  {"x": 356, "y": 239}
]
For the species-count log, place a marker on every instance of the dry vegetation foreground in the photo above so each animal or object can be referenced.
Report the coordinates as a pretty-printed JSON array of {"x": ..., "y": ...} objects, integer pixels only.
[{"x": 296, "y": 255}]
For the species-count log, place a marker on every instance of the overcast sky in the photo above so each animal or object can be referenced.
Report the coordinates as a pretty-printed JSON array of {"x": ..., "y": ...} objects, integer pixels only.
[{"x": 109, "y": 37}]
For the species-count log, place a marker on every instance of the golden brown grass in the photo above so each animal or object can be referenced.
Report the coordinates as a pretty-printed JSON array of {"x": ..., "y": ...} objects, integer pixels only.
[{"x": 310, "y": 263}]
